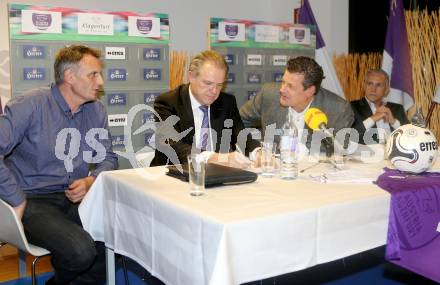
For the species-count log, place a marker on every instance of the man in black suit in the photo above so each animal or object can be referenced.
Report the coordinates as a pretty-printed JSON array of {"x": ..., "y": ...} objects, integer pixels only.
[
  {"x": 207, "y": 120},
  {"x": 375, "y": 119}
]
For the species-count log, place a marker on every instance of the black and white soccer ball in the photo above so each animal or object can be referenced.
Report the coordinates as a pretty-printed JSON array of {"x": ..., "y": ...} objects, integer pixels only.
[{"x": 411, "y": 148}]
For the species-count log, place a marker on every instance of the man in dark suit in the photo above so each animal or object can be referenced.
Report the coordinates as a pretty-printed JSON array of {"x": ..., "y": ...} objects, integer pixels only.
[
  {"x": 375, "y": 119},
  {"x": 208, "y": 119}
]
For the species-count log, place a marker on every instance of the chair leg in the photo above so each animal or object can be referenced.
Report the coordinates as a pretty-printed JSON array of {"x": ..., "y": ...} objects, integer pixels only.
[
  {"x": 124, "y": 267},
  {"x": 34, "y": 278}
]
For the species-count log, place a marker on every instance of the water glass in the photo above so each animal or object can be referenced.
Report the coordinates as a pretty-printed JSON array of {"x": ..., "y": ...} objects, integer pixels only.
[
  {"x": 196, "y": 170},
  {"x": 268, "y": 159}
]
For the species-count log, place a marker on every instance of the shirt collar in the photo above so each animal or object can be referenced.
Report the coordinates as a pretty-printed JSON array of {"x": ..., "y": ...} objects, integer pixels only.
[
  {"x": 56, "y": 93},
  {"x": 194, "y": 103}
]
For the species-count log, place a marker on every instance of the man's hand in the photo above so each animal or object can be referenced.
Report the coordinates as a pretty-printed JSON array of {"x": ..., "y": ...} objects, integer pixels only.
[
  {"x": 78, "y": 189},
  {"x": 233, "y": 159},
  {"x": 388, "y": 116},
  {"x": 19, "y": 210}
]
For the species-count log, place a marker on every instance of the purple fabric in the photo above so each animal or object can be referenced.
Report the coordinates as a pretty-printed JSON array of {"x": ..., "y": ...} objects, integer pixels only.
[
  {"x": 306, "y": 17},
  {"x": 413, "y": 240},
  {"x": 397, "y": 46},
  {"x": 205, "y": 128}
]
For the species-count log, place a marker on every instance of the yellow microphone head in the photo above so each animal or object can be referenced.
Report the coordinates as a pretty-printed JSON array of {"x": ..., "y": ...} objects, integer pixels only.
[{"x": 315, "y": 117}]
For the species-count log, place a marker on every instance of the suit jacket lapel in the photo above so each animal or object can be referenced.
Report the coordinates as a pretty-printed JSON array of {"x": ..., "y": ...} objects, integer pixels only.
[{"x": 187, "y": 117}]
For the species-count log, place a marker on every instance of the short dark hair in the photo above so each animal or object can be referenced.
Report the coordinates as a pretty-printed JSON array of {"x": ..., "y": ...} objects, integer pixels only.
[
  {"x": 312, "y": 71},
  {"x": 70, "y": 56},
  {"x": 207, "y": 56}
]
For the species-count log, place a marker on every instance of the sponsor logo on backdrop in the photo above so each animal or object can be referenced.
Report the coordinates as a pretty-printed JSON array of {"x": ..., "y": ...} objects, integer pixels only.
[
  {"x": 143, "y": 27},
  {"x": 149, "y": 97},
  {"x": 231, "y": 78},
  {"x": 251, "y": 94},
  {"x": 230, "y": 59},
  {"x": 117, "y": 74},
  {"x": 279, "y": 60},
  {"x": 148, "y": 118},
  {"x": 299, "y": 35},
  {"x": 152, "y": 74},
  {"x": 33, "y": 21},
  {"x": 115, "y": 53},
  {"x": 277, "y": 76},
  {"x": 34, "y": 73},
  {"x": 117, "y": 120},
  {"x": 117, "y": 99},
  {"x": 151, "y": 53},
  {"x": 267, "y": 34},
  {"x": 34, "y": 52},
  {"x": 228, "y": 31},
  {"x": 118, "y": 141},
  {"x": 254, "y": 78},
  {"x": 95, "y": 24},
  {"x": 254, "y": 59}
]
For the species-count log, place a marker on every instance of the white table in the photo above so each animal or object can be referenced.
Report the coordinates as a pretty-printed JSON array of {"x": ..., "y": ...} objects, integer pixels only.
[{"x": 234, "y": 234}]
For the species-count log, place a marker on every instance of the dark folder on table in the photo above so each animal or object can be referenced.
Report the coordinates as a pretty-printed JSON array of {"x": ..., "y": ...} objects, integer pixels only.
[{"x": 216, "y": 175}]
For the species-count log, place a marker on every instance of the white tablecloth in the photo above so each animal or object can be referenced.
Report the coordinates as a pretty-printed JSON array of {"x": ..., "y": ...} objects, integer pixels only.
[{"x": 234, "y": 234}]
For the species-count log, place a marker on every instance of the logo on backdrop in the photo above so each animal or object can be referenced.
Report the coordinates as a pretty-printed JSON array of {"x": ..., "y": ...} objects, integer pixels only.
[
  {"x": 150, "y": 97},
  {"x": 151, "y": 53},
  {"x": 143, "y": 27},
  {"x": 148, "y": 118},
  {"x": 277, "y": 76},
  {"x": 279, "y": 60},
  {"x": 228, "y": 31},
  {"x": 118, "y": 141},
  {"x": 254, "y": 78},
  {"x": 115, "y": 53},
  {"x": 34, "y": 52},
  {"x": 230, "y": 59},
  {"x": 251, "y": 94},
  {"x": 254, "y": 59},
  {"x": 117, "y": 120},
  {"x": 152, "y": 74},
  {"x": 95, "y": 24},
  {"x": 34, "y": 73},
  {"x": 34, "y": 21},
  {"x": 117, "y": 99},
  {"x": 117, "y": 74},
  {"x": 231, "y": 78}
]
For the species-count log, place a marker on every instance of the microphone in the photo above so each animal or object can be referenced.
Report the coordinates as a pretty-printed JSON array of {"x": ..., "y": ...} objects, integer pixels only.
[{"x": 317, "y": 121}]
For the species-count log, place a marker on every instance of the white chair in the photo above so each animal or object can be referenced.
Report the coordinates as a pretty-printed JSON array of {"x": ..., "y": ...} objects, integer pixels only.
[
  {"x": 11, "y": 232},
  {"x": 144, "y": 158}
]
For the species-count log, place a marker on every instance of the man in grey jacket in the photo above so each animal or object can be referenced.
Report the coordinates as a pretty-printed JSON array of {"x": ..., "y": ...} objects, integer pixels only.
[{"x": 300, "y": 89}]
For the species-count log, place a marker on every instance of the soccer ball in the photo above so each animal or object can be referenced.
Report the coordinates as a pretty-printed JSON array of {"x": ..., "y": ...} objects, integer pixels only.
[{"x": 411, "y": 148}]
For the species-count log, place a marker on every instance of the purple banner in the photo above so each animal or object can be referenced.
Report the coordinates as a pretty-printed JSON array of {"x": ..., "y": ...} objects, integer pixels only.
[{"x": 413, "y": 239}]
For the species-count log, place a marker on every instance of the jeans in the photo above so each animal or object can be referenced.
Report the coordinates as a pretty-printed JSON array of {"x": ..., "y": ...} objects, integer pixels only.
[{"x": 51, "y": 221}]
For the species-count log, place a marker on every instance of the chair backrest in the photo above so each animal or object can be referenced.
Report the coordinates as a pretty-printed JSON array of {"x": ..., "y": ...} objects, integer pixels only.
[
  {"x": 144, "y": 158},
  {"x": 11, "y": 231}
]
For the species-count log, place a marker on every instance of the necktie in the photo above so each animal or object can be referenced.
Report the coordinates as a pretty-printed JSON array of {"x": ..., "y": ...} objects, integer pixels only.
[{"x": 204, "y": 133}]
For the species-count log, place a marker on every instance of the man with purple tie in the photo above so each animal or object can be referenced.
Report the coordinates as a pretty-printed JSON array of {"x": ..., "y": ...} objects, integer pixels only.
[{"x": 210, "y": 116}]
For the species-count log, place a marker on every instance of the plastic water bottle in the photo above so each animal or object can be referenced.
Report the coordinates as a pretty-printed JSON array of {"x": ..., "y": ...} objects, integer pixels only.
[{"x": 288, "y": 149}]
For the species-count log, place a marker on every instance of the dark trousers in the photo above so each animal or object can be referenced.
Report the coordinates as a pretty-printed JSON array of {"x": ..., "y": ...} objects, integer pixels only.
[{"x": 52, "y": 222}]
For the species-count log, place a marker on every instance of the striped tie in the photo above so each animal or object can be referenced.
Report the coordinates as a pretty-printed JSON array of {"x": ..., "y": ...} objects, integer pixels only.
[{"x": 204, "y": 133}]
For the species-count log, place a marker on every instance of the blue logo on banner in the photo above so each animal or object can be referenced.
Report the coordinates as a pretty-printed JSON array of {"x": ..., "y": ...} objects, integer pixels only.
[
  {"x": 277, "y": 76},
  {"x": 118, "y": 141},
  {"x": 148, "y": 118},
  {"x": 117, "y": 99},
  {"x": 34, "y": 73},
  {"x": 150, "y": 138},
  {"x": 152, "y": 74},
  {"x": 251, "y": 94},
  {"x": 230, "y": 59},
  {"x": 254, "y": 78},
  {"x": 150, "y": 97},
  {"x": 152, "y": 53},
  {"x": 231, "y": 78},
  {"x": 33, "y": 52},
  {"x": 117, "y": 74}
]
